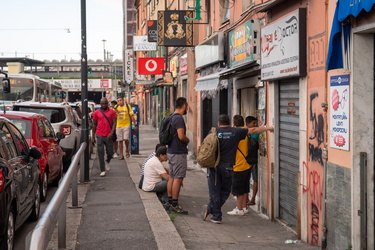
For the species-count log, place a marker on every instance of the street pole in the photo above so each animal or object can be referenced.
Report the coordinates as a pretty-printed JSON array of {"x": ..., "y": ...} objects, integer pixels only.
[
  {"x": 84, "y": 97},
  {"x": 104, "y": 47}
]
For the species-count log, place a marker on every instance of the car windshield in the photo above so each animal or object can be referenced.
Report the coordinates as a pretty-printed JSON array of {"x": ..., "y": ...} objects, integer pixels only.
[
  {"x": 54, "y": 115},
  {"x": 23, "y": 125}
]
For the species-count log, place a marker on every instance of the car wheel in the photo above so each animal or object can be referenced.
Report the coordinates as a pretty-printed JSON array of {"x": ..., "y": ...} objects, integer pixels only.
[
  {"x": 34, "y": 216},
  {"x": 44, "y": 186},
  {"x": 10, "y": 230}
]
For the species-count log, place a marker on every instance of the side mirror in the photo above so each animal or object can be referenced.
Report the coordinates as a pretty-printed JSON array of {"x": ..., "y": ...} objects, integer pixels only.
[
  {"x": 60, "y": 135},
  {"x": 6, "y": 85},
  {"x": 35, "y": 153}
]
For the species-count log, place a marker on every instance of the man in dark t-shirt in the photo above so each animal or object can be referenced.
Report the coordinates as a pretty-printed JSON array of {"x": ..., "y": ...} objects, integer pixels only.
[
  {"x": 177, "y": 155},
  {"x": 220, "y": 178}
]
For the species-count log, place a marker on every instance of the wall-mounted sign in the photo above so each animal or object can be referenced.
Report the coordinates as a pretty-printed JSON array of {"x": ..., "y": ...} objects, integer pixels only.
[
  {"x": 152, "y": 32},
  {"x": 210, "y": 51},
  {"x": 173, "y": 30},
  {"x": 283, "y": 47},
  {"x": 129, "y": 66},
  {"x": 339, "y": 112},
  {"x": 173, "y": 66},
  {"x": 241, "y": 42},
  {"x": 140, "y": 43},
  {"x": 183, "y": 64},
  {"x": 150, "y": 65}
]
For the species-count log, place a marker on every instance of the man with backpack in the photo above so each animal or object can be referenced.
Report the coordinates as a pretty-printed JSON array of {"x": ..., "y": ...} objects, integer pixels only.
[
  {"x": 241, "y": 172},
  {"x": 177, "y": 155},
  {"x": 125, "y": 116},
  {"x": 220, "y": 178}
]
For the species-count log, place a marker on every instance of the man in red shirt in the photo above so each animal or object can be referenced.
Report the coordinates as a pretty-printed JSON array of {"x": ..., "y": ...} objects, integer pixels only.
[{"x": 103, "y": 129}]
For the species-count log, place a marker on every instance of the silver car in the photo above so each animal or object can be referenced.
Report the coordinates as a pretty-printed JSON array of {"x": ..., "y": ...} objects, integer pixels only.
[{"x": 63, "y": 120}]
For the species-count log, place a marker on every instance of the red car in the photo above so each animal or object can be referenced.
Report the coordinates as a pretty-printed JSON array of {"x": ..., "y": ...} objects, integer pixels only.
[{"x": 39, "y": 132}]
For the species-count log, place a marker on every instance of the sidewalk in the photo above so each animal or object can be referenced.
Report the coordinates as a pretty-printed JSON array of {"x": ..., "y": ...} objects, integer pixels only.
[{"x": 116, "y": 214}]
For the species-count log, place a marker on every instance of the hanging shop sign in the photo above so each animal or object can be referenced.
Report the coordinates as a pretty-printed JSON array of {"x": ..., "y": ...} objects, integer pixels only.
[
  {"x": 152, "y": 32},
  {"x": 210, "y": 51},
  {"x": 129, "y": 66},
  {"x": 339, "y": 112},
  {"x": 283, "y": 47},
  {"x": 167, "y": 78},
  {"x": 150, "y": 65},
  {"x": 140, "y": 43},
  {"x": 241, "y": 45},
  {"x": 173, "y": 30}
]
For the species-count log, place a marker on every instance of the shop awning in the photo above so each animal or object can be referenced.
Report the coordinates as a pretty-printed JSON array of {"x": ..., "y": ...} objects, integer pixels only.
[
  {"x": 340, "y": 33},
  {"x": 209, "y": 82},
  {"x": 210, "y": 85}
]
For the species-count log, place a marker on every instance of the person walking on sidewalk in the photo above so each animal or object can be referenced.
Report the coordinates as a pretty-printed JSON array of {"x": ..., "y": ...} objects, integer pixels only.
[
  {"x": 113, "y": 106},
  {"x": 252, "y": 122},
  {"x": 103, "y": 129},
  {"x": 220, "y": 178},
  {"x": 156, "y": 176},
  {"x": 241, "y": 172},
  {"x": 125, "y": 116},
  {"x": 177, "y": 155}
]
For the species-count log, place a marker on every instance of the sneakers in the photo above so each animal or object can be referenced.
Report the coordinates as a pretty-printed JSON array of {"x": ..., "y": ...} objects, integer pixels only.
[
  {"x": 177, "y": 209},
  {"x": 107, "y": 166},
  {"x": 236, "y": 211},
  {"x": 245, "y": 210},
  {"x": 215, "y": 221},
  {"x": 102, "y": 174},
  {"x": 205, "y": 212},
  {"x": 115, "y": 155}
]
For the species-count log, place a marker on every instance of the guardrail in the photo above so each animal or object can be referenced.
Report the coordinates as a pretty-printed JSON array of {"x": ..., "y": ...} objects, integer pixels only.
[{"x": 38, "y": 238}]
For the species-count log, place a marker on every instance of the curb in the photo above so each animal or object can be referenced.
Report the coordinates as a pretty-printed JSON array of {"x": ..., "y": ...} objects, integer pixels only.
[{"x": 165, "y": 232}]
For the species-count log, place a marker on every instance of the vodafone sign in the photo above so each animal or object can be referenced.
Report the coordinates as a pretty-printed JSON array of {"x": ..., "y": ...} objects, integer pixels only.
[{"x": 150, "y": 65}]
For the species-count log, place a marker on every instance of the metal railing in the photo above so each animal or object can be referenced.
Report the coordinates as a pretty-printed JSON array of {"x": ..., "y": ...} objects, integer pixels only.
[{"x": 38, "y": 238}]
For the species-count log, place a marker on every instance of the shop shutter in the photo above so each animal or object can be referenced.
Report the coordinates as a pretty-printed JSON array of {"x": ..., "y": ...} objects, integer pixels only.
[{"x": 288, "y": 151}]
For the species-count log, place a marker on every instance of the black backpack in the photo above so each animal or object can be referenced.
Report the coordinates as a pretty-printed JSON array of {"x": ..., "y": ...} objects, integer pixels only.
[
  {"x": 165, "y": 130},
  {"x": 252, "y": 152}
]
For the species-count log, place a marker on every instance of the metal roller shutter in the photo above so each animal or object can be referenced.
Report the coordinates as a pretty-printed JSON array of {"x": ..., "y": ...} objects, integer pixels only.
[{"x": 288, "y": 151}]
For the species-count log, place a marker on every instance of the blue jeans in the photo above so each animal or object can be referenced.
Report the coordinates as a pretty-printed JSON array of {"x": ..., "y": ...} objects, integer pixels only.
[
  {"x": 161, "y": 189},
  {"x": 102, "y": 142},
  {"x": 219, "y": 187}
]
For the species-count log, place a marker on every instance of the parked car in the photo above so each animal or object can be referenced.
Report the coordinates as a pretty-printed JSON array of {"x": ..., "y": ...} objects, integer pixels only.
[
  {"x": 39, "y": 132},
  {"x": 6, "y": 105},
  {"x": 19, "y": 182},
  {"x": 63, "y": 120}
]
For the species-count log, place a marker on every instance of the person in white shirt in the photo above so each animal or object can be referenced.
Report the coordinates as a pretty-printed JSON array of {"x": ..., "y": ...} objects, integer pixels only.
[{"x": 156, "y": 176}]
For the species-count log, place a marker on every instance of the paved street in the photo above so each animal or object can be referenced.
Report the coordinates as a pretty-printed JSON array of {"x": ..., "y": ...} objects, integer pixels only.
[{"x": 118, "y": 215}]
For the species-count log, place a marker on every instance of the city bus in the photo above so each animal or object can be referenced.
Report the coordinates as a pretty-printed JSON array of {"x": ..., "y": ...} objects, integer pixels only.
[{"x": 29, "y": 87}]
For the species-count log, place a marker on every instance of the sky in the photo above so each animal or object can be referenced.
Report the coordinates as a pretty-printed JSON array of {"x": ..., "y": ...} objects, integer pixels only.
[{"x": 51, "y": 29}]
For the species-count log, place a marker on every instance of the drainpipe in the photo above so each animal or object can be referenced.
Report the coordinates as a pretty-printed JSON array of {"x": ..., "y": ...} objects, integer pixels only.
[{"x": 325, "y": 150}]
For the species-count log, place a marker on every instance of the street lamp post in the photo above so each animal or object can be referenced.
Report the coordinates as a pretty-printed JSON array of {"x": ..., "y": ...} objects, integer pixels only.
[{"x": 104, "y": 48}]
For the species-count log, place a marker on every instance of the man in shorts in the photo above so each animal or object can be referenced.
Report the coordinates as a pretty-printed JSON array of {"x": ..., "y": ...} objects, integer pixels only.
[
  {"x": 125, "y": 116},
  {"x": 241, "y": 172},
  {"x": 177, "y": 155}
]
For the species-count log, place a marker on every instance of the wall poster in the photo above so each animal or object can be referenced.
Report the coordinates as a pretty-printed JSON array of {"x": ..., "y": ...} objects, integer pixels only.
[{"x": 339, "y": 112}]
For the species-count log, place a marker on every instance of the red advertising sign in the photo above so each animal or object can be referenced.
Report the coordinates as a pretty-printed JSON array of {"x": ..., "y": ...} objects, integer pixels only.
[
  {"x": 150, "y": 65},
  {"x": 104, "y": 83}
]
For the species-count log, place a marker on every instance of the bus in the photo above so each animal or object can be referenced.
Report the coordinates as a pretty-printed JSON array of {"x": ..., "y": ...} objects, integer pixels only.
[{"x": 29, "y": 87}]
